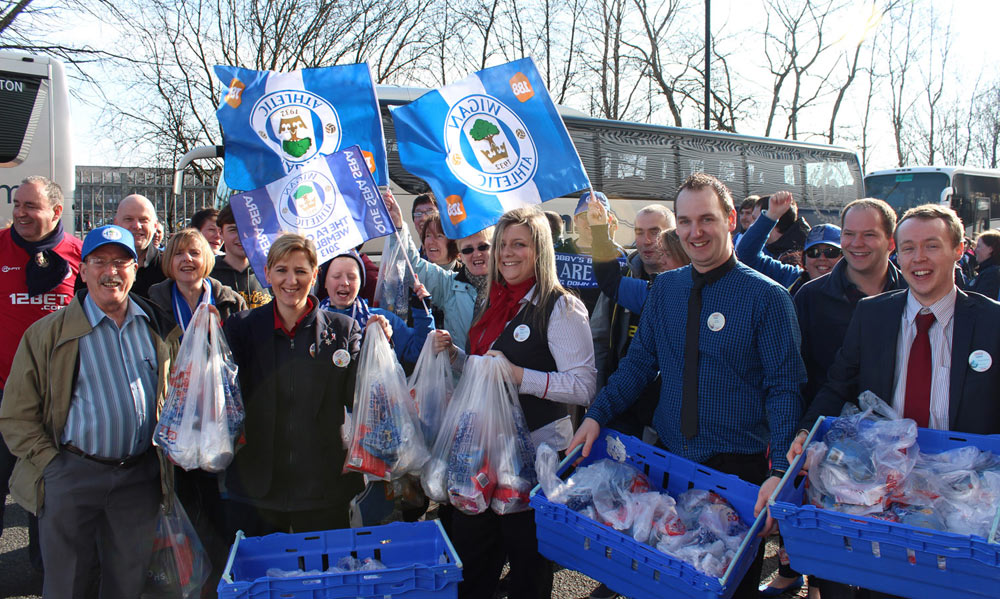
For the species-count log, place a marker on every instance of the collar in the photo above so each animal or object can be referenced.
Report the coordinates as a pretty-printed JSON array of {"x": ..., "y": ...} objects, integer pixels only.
[
  {"x": 278, "y": 326},
  {"x": 95, "y": 315},
  {"x": 943, "y": 309},
  {"x": 716, "y": 273},
  {"x": 838, "y": 277},
  {"x": 151, "y": 253}
]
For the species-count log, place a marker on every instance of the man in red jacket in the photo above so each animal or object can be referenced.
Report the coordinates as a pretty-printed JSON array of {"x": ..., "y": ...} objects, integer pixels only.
[{"x": 39, "y": 263}]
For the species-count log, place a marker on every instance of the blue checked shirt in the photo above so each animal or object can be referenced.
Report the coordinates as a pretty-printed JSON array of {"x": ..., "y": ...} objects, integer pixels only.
[
  {"x": 113, "y": 410},
  {"x": 749, "y": 370}
]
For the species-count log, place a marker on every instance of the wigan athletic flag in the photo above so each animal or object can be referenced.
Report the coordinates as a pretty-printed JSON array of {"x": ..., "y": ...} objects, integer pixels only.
[
  {"x": 273, "y": 123},
  {"x": 488, "y": 144},
  {"x": 332, "y": 200}
]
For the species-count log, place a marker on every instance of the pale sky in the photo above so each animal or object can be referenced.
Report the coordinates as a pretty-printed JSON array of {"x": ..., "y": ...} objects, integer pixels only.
[{"x": 974, "y": 50}]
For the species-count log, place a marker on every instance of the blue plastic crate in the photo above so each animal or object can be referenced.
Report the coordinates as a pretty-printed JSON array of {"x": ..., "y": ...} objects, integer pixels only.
[
  {"x": 619, "y": 561},
  {"x": 420, "y": 564},
  {"x": 886, "y": 556}
]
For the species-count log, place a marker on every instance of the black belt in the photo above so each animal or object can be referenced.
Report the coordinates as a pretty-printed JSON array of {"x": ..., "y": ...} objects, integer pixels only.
[{"x": 126, "y": 462}]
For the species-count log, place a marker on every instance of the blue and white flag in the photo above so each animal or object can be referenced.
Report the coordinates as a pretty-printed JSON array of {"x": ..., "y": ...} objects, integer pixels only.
[
  {"x": 488, "y": 144},
  {"x": 576, "y": 271},
  {"x": 273, "y": 123},
  {"x": 332, "y": 200}
]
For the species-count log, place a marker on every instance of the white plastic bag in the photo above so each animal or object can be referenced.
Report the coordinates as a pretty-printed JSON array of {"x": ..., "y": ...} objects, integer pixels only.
[
  {"x": 392, "y": 288},
  {"x": 483, "y": 455},
  {"x": 385, "y": 440},
  {"x": 203, "y": 413},
  {"x": 431, "y": 387}
]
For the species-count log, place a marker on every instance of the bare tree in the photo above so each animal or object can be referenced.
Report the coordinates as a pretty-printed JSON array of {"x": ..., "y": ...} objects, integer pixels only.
[
  {"x": 901, "y": 56},
  {"x": 658, "y": 26},
  {"x": 934, "y": 77}
]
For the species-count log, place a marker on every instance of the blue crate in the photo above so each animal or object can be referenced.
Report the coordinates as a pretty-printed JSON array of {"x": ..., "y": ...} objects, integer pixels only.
[
  {"x": 420, "y": 564},
  {"x": 619, "y": 561},
  {"x": 885, "y": 556}
]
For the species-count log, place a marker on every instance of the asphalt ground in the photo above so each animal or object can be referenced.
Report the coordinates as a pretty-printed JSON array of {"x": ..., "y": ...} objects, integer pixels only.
[{"x": 19, "y": 580}]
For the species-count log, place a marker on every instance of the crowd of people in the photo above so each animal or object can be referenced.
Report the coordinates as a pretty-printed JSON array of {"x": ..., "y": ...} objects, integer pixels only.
[{"x": 722, "y": 339}]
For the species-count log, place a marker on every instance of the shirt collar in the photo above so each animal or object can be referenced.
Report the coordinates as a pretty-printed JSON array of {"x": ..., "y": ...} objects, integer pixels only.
[
  {"x": 716, "y": 273},
  {"x": 943, "y": 309},
  {"x": 531, "y": 296},
  {"x": 95, "y": 315},
  {"x": 278, "y": 326}
]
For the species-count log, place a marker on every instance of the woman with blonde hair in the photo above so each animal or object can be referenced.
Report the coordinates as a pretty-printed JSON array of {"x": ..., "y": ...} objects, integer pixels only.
[{"x": 542, "y": 331}]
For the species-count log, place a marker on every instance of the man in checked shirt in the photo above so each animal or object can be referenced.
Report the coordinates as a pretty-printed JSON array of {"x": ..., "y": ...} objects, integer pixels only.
[
  {"x": 78, "y": 412},
  {"x": 725, "y": 341}
]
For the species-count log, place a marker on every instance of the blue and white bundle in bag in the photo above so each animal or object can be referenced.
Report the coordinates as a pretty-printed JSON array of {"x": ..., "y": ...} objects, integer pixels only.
[
  {"x": 483, "y": 457},
  {"x": 202, "y": 417},
  {"x": 431, "y": 387}
]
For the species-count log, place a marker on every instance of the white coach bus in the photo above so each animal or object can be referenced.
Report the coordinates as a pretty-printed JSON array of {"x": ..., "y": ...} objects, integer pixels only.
[
  {"x": 34, "y": 129},
  {"x": 973, "y": 193}
]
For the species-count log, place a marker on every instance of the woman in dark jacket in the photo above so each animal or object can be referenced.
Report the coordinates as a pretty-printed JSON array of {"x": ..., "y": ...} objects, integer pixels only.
[
  {"x": 297, "y": 366},
  {"x": 987, "y": 280},
  {"x": 187, "y": 260}
]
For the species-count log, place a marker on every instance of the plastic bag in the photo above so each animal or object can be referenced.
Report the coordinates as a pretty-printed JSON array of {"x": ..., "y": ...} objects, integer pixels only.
[
  {"x": 203, "y": 414},
  {"x": 179, "y": 565},
  {"x": 483, "y": 453},
  {"x": 385, "y": 440},
  {"x": 392, "y": 288},
  {"x": 431, "y": 387}
]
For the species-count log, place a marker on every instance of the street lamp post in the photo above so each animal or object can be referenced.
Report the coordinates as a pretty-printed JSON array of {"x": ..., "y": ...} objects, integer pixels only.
[{"x": 708, "y": 64}]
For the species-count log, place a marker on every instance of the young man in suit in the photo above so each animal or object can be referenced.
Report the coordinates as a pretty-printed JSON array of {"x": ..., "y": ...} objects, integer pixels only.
[{"x": 941, "y": 371}]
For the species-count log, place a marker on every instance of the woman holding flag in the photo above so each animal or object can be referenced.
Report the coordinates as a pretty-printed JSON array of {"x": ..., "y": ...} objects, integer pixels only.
[
  {"x": 543, "y": 332},
  {"x": 460, "y": 294}
]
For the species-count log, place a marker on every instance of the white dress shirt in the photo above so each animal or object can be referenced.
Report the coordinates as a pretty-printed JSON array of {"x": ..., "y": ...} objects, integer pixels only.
[{"x": 941, "y": 334}]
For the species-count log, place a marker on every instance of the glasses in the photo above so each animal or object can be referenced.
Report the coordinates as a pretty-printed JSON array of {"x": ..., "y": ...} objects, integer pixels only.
[
  {"x": 482, "y": 247},
  {"x": 423, "y": 213},
  {"x": 829, "y": 252},
  {"x": 101, "y": 263}
]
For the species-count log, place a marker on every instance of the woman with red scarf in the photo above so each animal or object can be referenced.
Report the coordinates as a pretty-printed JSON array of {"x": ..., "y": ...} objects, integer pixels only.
[{"x": 543, "y": 332}]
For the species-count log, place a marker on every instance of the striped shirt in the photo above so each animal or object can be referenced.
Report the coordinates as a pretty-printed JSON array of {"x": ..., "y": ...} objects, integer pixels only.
[
  {"x": 941, "y": 334},
  {"x": 113, "y": 410}
]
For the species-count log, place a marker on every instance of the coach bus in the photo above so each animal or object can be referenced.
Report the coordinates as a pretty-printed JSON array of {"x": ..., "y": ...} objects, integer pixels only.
[
  {"x": 34, "y": 130},
  {"x": 637, "y": 164},
  {"x": 973, "y": 193}
]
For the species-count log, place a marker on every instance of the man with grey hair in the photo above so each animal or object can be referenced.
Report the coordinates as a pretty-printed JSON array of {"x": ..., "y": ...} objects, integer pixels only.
[
  {"x": 38, "y": 264},
  {"x": 138, "y": 215}
]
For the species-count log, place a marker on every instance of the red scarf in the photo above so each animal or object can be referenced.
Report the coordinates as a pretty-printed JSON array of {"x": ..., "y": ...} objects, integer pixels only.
[{"x": 505, "y": 301}]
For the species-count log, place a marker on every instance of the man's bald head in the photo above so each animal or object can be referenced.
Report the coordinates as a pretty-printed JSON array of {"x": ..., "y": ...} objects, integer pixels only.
[{"x": 137, "y": 214}]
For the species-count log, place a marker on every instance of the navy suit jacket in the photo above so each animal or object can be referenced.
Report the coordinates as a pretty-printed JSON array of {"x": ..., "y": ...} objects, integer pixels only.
[{"x": 867, "y": 361}]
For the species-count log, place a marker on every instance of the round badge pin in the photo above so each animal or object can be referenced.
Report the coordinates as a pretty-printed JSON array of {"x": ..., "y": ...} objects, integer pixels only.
[
  {"x": 341, "y": 358},
  {"x": 312, "y": 350},
  {"x": 980, "y": 360},
  {"x": 716, "y": 321},
  {"x": 522, "y": 332}
]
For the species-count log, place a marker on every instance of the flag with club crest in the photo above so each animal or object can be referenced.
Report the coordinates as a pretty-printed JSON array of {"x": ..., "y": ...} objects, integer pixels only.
[
  {"x": 488, "y": 144},
  {"x": 273, "y": 123},
  {"x": 332, "y": 200}
]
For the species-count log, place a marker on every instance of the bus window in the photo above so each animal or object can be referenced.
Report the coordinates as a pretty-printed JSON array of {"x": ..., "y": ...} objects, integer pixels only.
[{"x": 906, "y": 190}]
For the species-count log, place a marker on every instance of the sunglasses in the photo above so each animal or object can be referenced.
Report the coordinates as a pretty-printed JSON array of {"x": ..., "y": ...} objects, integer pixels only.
[
  {"x": 828, "y": 252},
  {"x": 482, "y": 247}
]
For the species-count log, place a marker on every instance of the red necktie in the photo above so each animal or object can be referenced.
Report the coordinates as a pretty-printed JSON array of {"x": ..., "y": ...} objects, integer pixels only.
[{"x": 917, "y": 404}]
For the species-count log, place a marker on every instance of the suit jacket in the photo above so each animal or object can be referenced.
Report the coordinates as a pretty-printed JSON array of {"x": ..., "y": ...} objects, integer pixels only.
[{"x": 867, "y": 361}]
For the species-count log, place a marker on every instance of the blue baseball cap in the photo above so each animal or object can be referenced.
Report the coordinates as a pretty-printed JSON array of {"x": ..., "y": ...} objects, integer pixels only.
[
  {"x": 828, "y": 234},
  {"x": 581, "y": 206},
  {"x": 108, "y": 234}
]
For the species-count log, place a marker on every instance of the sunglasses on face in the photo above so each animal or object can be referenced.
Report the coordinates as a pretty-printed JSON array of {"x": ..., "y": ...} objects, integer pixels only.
[
  {"x": 828, "y": 252},
  {"x": 482, "y": 247}
]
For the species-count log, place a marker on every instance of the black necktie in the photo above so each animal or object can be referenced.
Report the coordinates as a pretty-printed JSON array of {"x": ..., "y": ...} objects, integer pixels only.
[{"x": 689, "y": 393}]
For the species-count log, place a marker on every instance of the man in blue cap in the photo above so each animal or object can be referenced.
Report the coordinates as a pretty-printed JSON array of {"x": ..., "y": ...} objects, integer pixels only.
[{"x": 78, "y": 412}]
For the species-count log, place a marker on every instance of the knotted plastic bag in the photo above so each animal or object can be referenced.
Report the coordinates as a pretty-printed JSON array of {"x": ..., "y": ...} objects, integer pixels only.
[
  {"x": 483, "y": 456},
  {"x": 203, "y": 414},
  {"x": 392, "y": 288},
  {"x": 179, "y": 565},
  {"x": 385, "y": 441},
  {"x": 431, "y": 387}
]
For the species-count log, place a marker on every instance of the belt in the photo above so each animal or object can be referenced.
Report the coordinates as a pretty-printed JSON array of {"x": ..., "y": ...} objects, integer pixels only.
[{"x": 126, "y": 462}]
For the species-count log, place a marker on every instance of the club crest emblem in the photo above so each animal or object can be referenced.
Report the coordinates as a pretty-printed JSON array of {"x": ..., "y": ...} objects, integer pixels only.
[
  {"x": 489, "y": 147},
  {"x": 296, "y": 125},
  {"x": 307, "y": 200}
]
